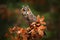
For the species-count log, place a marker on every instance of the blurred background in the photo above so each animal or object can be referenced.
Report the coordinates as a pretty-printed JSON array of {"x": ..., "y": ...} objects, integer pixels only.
[{"x": 10, "y": 16}]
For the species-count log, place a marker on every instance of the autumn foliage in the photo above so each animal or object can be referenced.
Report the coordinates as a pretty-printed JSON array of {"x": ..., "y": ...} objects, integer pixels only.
[{"x": 35, "y": 31}]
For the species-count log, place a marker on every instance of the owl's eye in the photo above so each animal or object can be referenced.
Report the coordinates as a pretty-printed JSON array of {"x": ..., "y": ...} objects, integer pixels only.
[
  {"x": 28, "y": 9},
  {"x": 23, "y": 9}
]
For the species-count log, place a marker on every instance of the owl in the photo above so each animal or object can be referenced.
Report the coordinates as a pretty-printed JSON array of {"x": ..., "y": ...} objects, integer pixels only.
[{"x": 27, "y": 13}]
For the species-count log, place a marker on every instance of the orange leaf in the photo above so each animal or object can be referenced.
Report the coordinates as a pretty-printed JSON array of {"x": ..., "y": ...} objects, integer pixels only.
[{"x": 38, "y": 18}]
